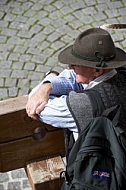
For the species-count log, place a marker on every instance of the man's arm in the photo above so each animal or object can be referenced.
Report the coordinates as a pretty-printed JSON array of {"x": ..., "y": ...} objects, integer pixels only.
[
  {"x": 57, "y": 114},
  {"x": 61, "y": 84},
  {"x": 38, "y": 100},
  {"x": 51, "y": 85}
]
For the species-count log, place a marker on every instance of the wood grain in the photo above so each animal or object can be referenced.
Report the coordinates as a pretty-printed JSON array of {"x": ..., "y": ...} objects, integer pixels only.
[
  {"x": 17, "y": 144},
  {"x": 45, "y": 174}
]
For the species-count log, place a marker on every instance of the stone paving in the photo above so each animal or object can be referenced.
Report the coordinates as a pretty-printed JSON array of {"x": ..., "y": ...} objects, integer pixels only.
[{"x": 32, "y": 33}]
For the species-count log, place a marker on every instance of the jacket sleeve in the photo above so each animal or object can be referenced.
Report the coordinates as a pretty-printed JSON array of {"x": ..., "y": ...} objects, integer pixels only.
[{"x": 80, "y": 107}]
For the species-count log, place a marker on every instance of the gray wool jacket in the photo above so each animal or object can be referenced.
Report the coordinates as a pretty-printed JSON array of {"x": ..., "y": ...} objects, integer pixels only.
[{"x": 112, "y": 92}]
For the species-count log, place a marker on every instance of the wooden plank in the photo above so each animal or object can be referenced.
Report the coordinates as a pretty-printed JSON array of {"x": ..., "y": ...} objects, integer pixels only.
[
  {"x": 17, "y": 131},
  {"x": 17, "y": 154},
  {"x": 45, "y": 174},
  {"x": 13, "y": 104},
  {"x": 15, "y": 124}
]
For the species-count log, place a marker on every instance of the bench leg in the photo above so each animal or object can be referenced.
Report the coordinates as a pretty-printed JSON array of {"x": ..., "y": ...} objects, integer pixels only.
[{"x": 45, "y": 174}]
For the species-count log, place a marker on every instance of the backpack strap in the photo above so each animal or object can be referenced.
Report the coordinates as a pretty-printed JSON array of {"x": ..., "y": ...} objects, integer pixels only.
[
  {"x": 98, "y": 107},
  {"x": 96, "y": 102},
  {"x": 113, "y": 114},
  {"x": 69, "y": 141}
]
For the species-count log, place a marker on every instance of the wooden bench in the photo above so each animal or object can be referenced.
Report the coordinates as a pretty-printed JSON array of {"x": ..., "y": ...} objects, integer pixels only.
[{"x": 30, "y": 144}]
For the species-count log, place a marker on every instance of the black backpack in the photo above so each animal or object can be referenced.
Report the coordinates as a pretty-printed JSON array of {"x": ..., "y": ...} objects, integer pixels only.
[{"x": 97, "y": 160}]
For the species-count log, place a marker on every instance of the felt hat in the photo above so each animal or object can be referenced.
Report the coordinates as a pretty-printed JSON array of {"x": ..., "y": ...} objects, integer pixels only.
[{"x": 94, "y": 48}]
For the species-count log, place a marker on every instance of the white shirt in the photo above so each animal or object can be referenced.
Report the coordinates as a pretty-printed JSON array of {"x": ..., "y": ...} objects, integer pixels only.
[{"x": 56, "y": 112}]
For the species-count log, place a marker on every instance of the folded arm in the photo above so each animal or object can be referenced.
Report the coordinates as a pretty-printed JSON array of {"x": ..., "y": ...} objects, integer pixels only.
[{"x": 51, "y": 85}]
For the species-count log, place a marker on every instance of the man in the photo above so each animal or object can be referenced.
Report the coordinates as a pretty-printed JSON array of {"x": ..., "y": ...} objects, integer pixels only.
[{"x": 93, "y": 59}]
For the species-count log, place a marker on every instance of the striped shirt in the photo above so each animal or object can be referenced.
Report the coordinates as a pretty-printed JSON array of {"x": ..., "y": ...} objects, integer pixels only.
[{"x": 56, "y": 112}]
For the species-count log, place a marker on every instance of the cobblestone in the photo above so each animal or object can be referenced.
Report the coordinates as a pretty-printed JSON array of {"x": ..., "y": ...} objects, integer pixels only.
[
  {"x": 1, "y": 82},
  {"x": 31, "y": 35},
  {"x": 10, "y": 82}
]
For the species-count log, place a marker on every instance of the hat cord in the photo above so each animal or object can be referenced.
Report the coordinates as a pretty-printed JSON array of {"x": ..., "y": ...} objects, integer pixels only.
[
  {"x": 98, "y": 57},
  {"x": 102, "y": 60}
]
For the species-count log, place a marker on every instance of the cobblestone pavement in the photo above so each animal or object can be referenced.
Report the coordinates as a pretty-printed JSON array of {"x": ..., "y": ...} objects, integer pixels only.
[{"x": 31, "y": 35}]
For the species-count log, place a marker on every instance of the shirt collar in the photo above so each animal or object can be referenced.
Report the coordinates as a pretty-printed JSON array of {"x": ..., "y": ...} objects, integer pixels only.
[{"x": 101, "y": 78}]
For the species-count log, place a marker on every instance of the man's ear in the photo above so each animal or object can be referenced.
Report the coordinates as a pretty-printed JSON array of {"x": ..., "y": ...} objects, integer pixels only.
[{"x": 98, "y": 72}]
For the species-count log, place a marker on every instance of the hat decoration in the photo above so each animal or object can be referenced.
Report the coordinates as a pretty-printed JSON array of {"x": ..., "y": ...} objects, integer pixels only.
[
  {"x": 113, "y": 26},
  {"x": 98, "y": 58}
]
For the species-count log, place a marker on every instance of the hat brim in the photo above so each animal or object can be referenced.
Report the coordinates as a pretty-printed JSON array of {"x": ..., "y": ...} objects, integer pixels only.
[{"x": 66, "y": 57}]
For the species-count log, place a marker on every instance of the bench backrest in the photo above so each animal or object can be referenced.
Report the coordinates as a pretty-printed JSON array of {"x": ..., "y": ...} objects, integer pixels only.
[{"x": 23, "y": 140}]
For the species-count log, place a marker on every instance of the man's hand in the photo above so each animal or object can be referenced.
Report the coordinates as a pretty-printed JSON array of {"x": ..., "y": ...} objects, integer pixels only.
[{"x": 38, "y": 100}]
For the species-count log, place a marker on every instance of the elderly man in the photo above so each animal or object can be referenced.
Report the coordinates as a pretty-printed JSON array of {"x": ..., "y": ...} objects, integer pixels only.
[
  {"x": 63, "y": 101},
  {"x": 92, "y": 60}
]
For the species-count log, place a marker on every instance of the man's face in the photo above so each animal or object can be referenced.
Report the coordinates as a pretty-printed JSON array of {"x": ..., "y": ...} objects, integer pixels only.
[{"x": 83, "y": 74}]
